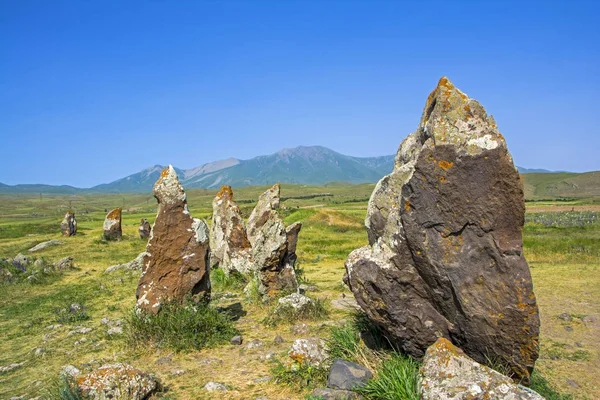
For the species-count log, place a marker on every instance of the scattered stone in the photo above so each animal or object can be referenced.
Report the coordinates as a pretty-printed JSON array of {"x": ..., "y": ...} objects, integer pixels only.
[
  {"x": 578, "y": 344},
  {"x": 347, "y": 375},
  {"x": 278, "y": 339},
  {"x": 572, "y": 383},
  {"x": 112, "y": 225},
  {"x": 177, "y": 254},
  {"x": 300, "y": 329},
  {"x": 268, "y": 356},
  {"x": 565, "y": 316},
  {"x": 303, "y": 288},
  {"x": 445, "y": 255},
  {"x": 116, "y": 381},
  {"x": 589, "y": 319},
  {"x": 145, "y": 229},
  {"x": 254, "y": 344},
  {"x": 297, "y": 302},
  {"x": 10, "y": 367},
  {"x": 236, "y": 340},
  {"x": 82, "y": 331},
  {"x": 178, "y": 372},
  {"x": 448, "y": 373},
  {"x": 335, "y": 394},
  {"x": 21, "y": 262},
  {"x": 568, "y": 328},
  {"x": 273, "y": 246},
  {"x": 263, "y": 379},
  {"x": 39, "y": 351},
  {"x": 215, "y": 386},
  {"x": 312, "y": 351},
  {"x": 75, "y": 307},
  {"x": 230, "y": 248},
  {"x": 345, "y": 303},
  {"x": 105, "y": 321},
  {"x": 80, "y": 341},
  {"x": 64, "y": 264},
  {"x": 115, "y": 330},
  {"x": 135, "y": 264},
  {"x": 164, "y": 360},
  {"x": 43, "y": 245},
  {"x": 56, "y": 326},
  {"x": 68, "y": 226}
]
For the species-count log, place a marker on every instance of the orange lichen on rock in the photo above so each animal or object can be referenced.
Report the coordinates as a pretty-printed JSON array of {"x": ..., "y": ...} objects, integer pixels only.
[
  {"x": 115, "y": 214},
  {"x": 225, "y": 193},
  {"x": 445, "y": 165}
]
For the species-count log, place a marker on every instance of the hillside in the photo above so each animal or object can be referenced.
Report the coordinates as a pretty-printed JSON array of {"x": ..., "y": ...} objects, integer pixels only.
[{"x": 541, "y": 186}]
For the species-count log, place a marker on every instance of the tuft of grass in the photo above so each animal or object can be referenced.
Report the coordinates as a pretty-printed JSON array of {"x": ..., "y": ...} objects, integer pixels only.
[
  {"x": 299, "y": 376},
  {"x": 67, "y": 314},
  {"x": 315, "y": 311},
  {"x": 221, "y": 282},
  {"x": 63, "y": 388},
  {"x": 541, "y": 386},
  {"x": 344, "y": 343},
  {"x": 397, "y": 379},
  {"x": 191, "y": 326}
]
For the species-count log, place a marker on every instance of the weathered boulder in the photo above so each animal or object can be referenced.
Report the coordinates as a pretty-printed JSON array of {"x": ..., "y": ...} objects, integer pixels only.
[
  {"x": 176, "y": 263},
  {"x": 64, "y": 264},
  {"x": 144, "y": 229},
  {"x": 230, "y": 248},
  {"x": 446, "y": 255},
  {"x": 112, "y": 225},
  {"x": 43, "y": 245},
  {"x": 447, "y": 373},
  {"x": 117, "y": 381},
  {"x": 135, "y": 264},
  {"x": 273, "y": 246},
  {"x": 347, "y": 375},
  {"x": 68, "y": 226},
  {"x": 311, "y": 351}
]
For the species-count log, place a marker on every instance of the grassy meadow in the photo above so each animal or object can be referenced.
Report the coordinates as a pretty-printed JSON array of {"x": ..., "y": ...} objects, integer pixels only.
[{"x": 562, "y": 244}]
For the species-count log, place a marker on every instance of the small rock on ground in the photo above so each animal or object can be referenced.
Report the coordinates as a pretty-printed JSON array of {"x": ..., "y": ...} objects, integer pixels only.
[
  {"x": 214, "y": 386},
  {"x": 335, "y": 394},
  {"x": 236, "y": 340},
  {"x": 347, "y": 375}
]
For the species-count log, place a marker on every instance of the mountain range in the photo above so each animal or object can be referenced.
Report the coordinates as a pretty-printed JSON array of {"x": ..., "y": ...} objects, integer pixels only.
[{"x": 313, "y": 165}]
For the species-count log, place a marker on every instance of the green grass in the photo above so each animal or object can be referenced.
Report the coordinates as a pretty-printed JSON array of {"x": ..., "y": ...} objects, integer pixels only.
[
  {"x": 222, "y": 282},
  {"x": 192, "y": 326},
  {"x": 397, "y": 379},
  {"x": 314, "y": 311},
  {"x": 299, "y": 376},
  {"x": 541, "y": 386}
]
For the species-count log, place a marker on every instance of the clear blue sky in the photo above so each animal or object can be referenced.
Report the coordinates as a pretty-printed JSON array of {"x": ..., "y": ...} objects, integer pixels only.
[{"x": 92, "y": 91}]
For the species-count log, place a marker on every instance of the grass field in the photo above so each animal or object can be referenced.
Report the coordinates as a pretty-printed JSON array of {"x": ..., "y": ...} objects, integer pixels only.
[{"x": 562, "y": 247}]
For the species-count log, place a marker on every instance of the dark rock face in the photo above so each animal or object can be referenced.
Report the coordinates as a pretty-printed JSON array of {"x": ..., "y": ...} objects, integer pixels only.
[
  {"x": 112, "y": 225},
  {"x": 144, "y": 229},
  {"x": 273, "y": 246},
  {"x": 347, "y": 375},
  {"x": 446, "y": 255},
  {"x": 176, "y": 263},
  {"x": 230, "y": 248},
  {"x": 68, "y": 226}
]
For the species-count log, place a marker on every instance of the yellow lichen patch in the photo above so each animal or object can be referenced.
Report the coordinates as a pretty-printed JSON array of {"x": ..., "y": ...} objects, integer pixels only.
[
  {"x": 164, "y": 172},
  {"x": 114, "y": 214},
  {"x": 225, "y": 192},
  {"x": 445, "y": 165},
  {"x": 407, "y": 206}
]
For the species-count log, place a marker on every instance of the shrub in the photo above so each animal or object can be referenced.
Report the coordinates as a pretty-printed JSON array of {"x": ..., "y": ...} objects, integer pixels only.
[
  {"x": 397, "y": 379},
  {"x": 189, "y": 326}
]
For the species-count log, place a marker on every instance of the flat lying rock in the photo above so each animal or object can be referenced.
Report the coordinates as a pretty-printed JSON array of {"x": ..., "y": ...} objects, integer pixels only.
[
  {"x": 117, "y": 381},
  {"x": 336, "y": 394},
  {"x": 135, "y": 264},
  {"x": 445, "y": 255},
  {"x": 347, "y": 375},
  {"x": 447, "y": 373},
  {"x": 176, "y": 263},
  {"x": 10, "y": 367},
  {"x": 43, "y": 245},
  {"x": 215, "y": 386}
]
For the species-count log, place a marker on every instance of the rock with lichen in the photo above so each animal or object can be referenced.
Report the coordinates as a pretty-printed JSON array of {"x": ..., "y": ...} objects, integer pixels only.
[
  {"x": 447, "y": 373},
  {"x": 112, "y": 225},
  {"x": 176, "y": 263},
  {"x": 230, "y": 247},
  {"x": 445, "y": 255},
  {"x": 117, "y": 381},
  {"x": 68, "y": 226}
]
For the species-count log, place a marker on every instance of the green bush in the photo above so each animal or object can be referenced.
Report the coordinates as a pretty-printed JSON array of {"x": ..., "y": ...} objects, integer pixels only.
[
  {"x": 397, "y": 379},
  {"x": 180, "y": 327}
]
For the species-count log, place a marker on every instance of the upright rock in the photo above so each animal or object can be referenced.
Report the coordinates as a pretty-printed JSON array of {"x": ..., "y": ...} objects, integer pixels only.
[
  {"x": 68, "y": 226},
  {"x": 112, "y": 225},
  {"x": 273, "y": 247},
  {"x": 230, "y": 248},
  {"x": 144, "y": 229},
  {"x": 176, "y": 263},
  {"x": 446, "y": 255}
]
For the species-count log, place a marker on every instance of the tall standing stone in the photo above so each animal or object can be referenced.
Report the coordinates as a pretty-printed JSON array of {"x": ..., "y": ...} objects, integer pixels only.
[
  {"x": 273, "y": 253},
  {"x": 230, "y": 248},
  {"x": 446, "y": 255},
  {"x": 144, "y": 229},
  {"x": 177, "y": 261},
  {"x": 112, "y": 225},
  {"x": 68, "y": 226}
]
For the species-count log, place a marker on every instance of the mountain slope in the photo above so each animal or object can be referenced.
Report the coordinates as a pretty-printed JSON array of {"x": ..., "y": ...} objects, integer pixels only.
[{"x": 142, "y": 181}]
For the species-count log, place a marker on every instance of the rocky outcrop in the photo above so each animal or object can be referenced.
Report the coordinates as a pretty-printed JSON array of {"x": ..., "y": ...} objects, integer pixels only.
[
  {"x": 273, "y": 246},
  {"x": 176, "y": 263},
  {"x": 144, "y": 229},
  {"x": 447, "y": 373},
  {"x": 446, "y": 256},
  {"x": 68, "y": 226},
  {"x": 230, "y": 248},
  {"x": 117, "y": 381},
  {"x": 112, "y": 225}
]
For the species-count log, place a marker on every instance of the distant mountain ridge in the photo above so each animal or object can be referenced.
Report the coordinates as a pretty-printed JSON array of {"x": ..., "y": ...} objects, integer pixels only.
[{"x": 315, "y": 165}]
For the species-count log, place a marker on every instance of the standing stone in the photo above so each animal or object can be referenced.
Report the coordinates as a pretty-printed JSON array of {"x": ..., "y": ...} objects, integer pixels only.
[
  {"x": 144, "y": 229},
  {"x": 273, "y": 247},
  {"x": 177, "y": 261},
  {"x": 230, "y": 248},
  {"x": 112, "y": 225},
  {"x": 68, "y": 226},
  {"x": 446, "y": 255}
]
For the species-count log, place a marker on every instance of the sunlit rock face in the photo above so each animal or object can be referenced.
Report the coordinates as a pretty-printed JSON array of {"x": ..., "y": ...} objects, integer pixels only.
[
  {"x": 176, "y": 263},
  {"x": 112, "y": 225},
  {"x": 445, "y": 257}
]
